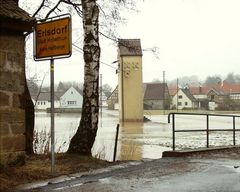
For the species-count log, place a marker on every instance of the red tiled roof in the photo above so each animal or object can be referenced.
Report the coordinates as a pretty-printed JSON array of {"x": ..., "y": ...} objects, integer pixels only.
[
  {"x": 230, "y": 88},
  {"x": 223, "y": 87},
  {"x": 172, "y": 90},
  {"x": 200, "y": 90}
]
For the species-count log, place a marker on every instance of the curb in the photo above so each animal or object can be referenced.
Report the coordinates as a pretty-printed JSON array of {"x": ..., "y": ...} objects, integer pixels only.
[
  {"x": 62, "y": 178},
  {"x": 188, "y": 152}
]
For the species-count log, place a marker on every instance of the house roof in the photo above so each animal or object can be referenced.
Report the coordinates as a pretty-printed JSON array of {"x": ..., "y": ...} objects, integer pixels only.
[
  {"x": 113, "y": 94},
  {"x": 189, "y": 95},
  {"x": 221, "y": 88},
  {"x": 13, "y": 17},
  {"x": 217, "y": 91},
  {"x": 45, "y": 96},
  {"x": 151, "y": 91},
  {"x": 230, "y": 87},
  {"x": 10, "y": 9},
  {"x": 172, "y": 90},
  {"x": 154, "y": 91},
  {"x": 199, "y": 90},
  {"x": 129, "y": 47}
]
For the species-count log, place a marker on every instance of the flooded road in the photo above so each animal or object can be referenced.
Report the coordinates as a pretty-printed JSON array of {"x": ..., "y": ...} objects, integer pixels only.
[{"x": 136, "y": 140}]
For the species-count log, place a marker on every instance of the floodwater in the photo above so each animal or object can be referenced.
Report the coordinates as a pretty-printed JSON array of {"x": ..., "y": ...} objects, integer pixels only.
[{"x": 136, "y": 140}]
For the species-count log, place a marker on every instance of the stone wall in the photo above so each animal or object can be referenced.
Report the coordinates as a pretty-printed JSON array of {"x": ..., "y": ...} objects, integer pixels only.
[{"x": 12, "y": 113}]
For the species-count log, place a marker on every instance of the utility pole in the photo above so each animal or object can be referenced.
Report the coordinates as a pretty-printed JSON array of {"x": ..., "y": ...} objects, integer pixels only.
[
  {"x": 177, "y": 94},
  {"x": 101, "y": 100},
  {"x": 53, "y": 171},
  {"x": 163, "y": 92}
]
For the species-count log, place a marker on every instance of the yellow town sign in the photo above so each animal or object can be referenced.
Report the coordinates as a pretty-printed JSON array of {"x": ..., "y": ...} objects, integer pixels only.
[{"x": 52, "y": 39}]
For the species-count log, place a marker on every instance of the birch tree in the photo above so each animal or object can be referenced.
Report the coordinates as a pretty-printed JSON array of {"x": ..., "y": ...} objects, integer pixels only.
[{"x": 84, "y": 138}]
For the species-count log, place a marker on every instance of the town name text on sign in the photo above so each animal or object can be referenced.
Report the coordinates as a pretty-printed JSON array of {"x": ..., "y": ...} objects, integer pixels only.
[{"x": 52, "y": 39}]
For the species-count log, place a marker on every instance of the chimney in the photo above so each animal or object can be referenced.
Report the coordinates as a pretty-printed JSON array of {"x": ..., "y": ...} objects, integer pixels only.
[{"x": 200, "y": 89}]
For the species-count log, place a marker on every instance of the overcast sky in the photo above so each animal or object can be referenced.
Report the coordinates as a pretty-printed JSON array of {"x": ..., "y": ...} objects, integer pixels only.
[{"x": 194, "y": 37}]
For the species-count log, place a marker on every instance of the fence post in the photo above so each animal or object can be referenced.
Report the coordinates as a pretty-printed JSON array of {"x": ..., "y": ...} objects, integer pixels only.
[
  {"x": 234, "y": 131},
  {"x": 115, "y": 146},
  {"x": 173, "y": 130},
  {"x": 207, "y": 130}
]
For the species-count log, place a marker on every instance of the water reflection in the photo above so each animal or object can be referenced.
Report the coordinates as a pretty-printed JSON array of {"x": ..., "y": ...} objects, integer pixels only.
[{"x": 129, "y": 147}]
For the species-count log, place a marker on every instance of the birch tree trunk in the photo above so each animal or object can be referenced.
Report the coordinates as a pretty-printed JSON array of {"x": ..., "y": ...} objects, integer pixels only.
[{"x": 84, "y": 138}]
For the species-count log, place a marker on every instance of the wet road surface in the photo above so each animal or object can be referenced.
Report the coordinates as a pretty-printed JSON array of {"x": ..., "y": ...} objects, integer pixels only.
[{"x": 162, "y": 175}]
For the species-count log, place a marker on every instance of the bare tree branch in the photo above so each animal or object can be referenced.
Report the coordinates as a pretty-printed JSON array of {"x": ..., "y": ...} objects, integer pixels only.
[
  {"x": 108, "y": 37},
  {"x": 39, "y": 8},
  {"x": 76, "y": 6},
  {"x": 71, "y": 3},
  {"x": 53, "y": 9}
]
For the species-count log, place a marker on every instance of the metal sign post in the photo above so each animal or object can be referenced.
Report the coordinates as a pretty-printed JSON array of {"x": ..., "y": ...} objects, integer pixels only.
[
  {"x": 101, "y": 106},
  {"x": 52, "y": 117},
  {"x": 53, "y": 40}
]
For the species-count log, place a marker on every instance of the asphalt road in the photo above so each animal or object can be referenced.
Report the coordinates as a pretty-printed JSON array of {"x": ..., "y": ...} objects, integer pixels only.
[{"x": 195, "y": 174}]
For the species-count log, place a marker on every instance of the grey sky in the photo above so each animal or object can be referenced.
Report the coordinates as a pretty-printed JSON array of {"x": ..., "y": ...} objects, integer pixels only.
[{"x": 195, "y": 37}]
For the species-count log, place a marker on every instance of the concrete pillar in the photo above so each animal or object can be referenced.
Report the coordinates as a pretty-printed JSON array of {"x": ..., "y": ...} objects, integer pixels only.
[{"x": 130, "y": 80}]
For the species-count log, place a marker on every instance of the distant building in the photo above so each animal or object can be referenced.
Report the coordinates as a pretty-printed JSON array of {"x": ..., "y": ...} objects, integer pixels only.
[
  {"x": 43, "y": 100},
  {"x": 200, "y": 94},
  {"x": 153, "y": 97},
  {"x": 216, "y": 97},
  {"x": 156, "y": 96},
  {"x": 183, "y": 99},
  {"x": 71, "y": 99},
  {"x": 112, "y": 100}
]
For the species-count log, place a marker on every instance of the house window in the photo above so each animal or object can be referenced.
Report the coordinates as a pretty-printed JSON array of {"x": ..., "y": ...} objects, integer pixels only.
[
  {"x": 71, "y": 92},
  {"x": 180, "y": 97},
  {"x": 179, "y": 103},
  {"x": 72, "y": 102},
  {"x": 186, "y": 103},
  {"x": 212, "y": 97}
]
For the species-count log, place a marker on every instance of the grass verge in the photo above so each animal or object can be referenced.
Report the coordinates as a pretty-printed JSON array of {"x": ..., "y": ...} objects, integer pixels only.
[{"x": 38, "y": 167}]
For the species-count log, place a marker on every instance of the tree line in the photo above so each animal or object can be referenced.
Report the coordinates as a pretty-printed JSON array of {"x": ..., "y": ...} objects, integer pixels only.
[
  {"x": 194, "y": 80},
  {"x": 35, "y": 88}
]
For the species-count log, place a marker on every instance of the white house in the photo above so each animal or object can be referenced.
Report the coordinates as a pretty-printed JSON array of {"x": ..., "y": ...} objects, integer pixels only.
[
  {"x": 43, "y": 100},
  {"x": 71, "y": 99},
  {"x": 183, "y": 99}
]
